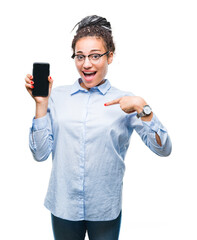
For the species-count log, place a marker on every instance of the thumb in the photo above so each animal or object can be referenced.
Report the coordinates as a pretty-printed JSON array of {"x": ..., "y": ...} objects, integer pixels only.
[{"x": 50, "y": 83}]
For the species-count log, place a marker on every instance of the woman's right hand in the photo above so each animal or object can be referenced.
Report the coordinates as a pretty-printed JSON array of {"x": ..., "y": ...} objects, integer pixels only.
[
  {"x": 30, "y": 85},
  {"x": 41, "y": 102}
]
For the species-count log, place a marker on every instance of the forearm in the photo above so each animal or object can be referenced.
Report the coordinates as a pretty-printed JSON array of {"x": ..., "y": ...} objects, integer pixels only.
[
  {"x": 41, "y": 138},
  {"x": 148, "y": 119},
  {"x": 41, "y": 109},
  {"x": 164, "y": 149},
  {"x": 152, "y": 132},
  {"x": 139, "y": 109},
  {"x": 156, "y": 137}
]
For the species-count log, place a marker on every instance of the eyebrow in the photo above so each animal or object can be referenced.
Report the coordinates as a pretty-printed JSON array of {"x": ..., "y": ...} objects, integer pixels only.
[{"x": 93, "y": 50}]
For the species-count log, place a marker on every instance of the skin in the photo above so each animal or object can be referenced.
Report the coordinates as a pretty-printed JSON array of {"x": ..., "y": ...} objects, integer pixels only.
[
  {"x": 41, "y": 102},
  {"x": 86, "y": 46}
]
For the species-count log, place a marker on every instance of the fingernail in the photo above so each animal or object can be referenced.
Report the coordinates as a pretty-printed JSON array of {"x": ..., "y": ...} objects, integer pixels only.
[
  {"x": 50, "y": 77},
  {"x": 32, "y": 86},
  {"x": 32, "y": 82},
  {"x": 105, "y": 104}
]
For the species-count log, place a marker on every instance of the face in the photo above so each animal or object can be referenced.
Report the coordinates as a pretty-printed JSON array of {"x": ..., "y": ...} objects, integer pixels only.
[{"x": 92, "y": 74}]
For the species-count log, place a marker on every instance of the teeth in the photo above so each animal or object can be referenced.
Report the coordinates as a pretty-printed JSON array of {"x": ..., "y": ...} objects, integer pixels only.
[{"x": 89, "y": 72}]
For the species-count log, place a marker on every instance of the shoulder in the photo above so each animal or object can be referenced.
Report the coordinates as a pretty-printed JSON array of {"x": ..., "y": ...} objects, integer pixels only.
[
  {"x": 120, "y": 93},
  {"x": 58, "y": 91}
]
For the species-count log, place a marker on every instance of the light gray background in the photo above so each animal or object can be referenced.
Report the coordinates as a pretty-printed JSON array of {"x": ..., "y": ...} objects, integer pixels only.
[{"x": 155, "y": 58}]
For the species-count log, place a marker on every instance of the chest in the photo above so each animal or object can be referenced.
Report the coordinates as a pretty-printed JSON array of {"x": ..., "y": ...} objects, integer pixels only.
[{"x": 87, "y": 110}]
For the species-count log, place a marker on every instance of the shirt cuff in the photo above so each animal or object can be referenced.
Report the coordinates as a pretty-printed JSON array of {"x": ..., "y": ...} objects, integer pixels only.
[
  {"x": 155, "y": 125},
  {"x": 39, "y": 123}
]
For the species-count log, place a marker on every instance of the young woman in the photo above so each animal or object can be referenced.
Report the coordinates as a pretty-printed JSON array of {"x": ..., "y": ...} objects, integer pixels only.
[{"x": 87, "y": 127}]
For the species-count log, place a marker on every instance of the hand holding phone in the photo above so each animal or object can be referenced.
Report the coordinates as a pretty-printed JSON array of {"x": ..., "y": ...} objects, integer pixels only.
[
  {"x": 41, "y": 94},
  {"x": 41, "y": 72}
]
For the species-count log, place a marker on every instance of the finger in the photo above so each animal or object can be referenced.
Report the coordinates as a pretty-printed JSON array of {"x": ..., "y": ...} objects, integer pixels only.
[
  {"x": 116, "y": 101},
  {"x": 50, "y": 81},
  {"x": 30, "y": 76},
  {"x": 50, "y": 84},
  {"x": 28, "y": 80},
  {"x": 29, "y": 86}
]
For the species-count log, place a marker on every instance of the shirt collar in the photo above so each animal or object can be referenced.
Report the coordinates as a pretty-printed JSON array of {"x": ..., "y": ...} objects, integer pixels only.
[{"x": 103, "y": 88}]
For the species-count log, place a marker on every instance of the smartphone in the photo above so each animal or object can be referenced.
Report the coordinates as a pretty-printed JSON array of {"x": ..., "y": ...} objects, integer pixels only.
[{"x": 40, "y": 74}]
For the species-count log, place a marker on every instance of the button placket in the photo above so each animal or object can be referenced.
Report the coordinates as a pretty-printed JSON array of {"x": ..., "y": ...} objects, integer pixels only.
[{"x": 82, "y": 157}]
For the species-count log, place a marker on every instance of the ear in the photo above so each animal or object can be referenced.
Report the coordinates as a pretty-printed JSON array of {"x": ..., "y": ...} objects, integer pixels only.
[{"x": 110, "y": 57}]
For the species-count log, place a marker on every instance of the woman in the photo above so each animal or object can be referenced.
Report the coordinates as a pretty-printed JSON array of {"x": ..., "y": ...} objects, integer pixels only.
[{"x": 87, "y": 127}]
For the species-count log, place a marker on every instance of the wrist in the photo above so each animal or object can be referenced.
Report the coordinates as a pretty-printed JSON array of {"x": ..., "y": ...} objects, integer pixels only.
[
  {"x": 41, "y": 109},
  {"x": 144, "y": 112},
  {"x": 147, "y": 118}
]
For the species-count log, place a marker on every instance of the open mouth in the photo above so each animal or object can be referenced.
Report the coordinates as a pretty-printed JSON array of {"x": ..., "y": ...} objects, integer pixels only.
[{"x": 89, "y": 75}]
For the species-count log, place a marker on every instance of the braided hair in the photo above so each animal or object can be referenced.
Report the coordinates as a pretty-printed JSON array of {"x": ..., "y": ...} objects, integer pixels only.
[{"x": 94, "y": 26}]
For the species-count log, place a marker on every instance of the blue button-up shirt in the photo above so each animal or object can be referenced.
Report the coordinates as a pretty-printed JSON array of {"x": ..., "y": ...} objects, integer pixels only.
[{"x": 89, "y": 142}]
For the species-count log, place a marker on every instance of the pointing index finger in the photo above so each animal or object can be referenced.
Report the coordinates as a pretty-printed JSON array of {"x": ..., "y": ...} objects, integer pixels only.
[{"x": 116, "y": 101}]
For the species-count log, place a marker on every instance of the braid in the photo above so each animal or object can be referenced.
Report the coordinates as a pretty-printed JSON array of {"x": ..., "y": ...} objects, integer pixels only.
[{"x": 94, "y": 26}]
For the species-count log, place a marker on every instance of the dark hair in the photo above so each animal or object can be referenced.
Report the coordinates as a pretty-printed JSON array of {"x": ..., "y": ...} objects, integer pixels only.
[{"x": 94, "y": 26}]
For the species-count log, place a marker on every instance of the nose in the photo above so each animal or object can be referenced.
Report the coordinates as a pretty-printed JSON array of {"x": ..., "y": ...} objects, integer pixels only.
[{"x": 87, "y": 63}]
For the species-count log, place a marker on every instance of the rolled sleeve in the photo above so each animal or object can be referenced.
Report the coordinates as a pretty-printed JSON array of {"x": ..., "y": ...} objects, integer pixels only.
[
  {"x": 147, "y": 131},
  {"x": 41, "y": 137},
  {"x": 39, "y": 123}
]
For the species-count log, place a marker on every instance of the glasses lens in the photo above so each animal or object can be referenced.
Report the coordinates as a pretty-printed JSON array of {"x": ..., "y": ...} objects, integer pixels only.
[
  {"x": 80, "y": 58},
  {"x": 93, "y": 58}
]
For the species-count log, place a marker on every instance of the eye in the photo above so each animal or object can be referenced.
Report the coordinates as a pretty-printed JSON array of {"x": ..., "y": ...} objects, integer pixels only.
[
  {"x": 80, "y": 57},
  {"x": 95, "y": 56}
]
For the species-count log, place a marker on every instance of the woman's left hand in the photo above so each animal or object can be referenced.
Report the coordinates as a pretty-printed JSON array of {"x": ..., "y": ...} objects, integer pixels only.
[{"x": 129, "y": 104}]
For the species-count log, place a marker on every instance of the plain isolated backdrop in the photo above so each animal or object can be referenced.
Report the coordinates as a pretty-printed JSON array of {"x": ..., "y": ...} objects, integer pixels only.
[{"x": 155, "y": 58}]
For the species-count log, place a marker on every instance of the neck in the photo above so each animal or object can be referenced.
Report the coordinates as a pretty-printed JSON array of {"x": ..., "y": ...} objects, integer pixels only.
[{"x": 84, "y": 86}]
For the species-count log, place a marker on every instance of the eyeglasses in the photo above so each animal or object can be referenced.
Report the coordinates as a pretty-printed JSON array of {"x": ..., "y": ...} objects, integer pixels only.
[{"x": 93, "y": 58}]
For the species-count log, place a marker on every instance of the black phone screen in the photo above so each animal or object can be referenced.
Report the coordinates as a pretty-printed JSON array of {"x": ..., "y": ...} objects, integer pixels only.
[{"x": 41, "y": 72}]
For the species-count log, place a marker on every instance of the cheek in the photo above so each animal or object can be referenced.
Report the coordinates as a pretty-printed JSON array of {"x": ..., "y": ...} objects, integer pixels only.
[
  {"x": 77, "y": 67},
  {"x": 103, "y": 66},
  {"x": 104, "y": 69}
]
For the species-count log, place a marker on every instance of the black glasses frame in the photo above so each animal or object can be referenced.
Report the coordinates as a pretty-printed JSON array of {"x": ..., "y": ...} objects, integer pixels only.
[{"x": 100, "y": 55}]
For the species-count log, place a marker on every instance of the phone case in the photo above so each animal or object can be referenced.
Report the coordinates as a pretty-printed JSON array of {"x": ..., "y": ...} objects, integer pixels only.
[{"x": 41, "y": 72}]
